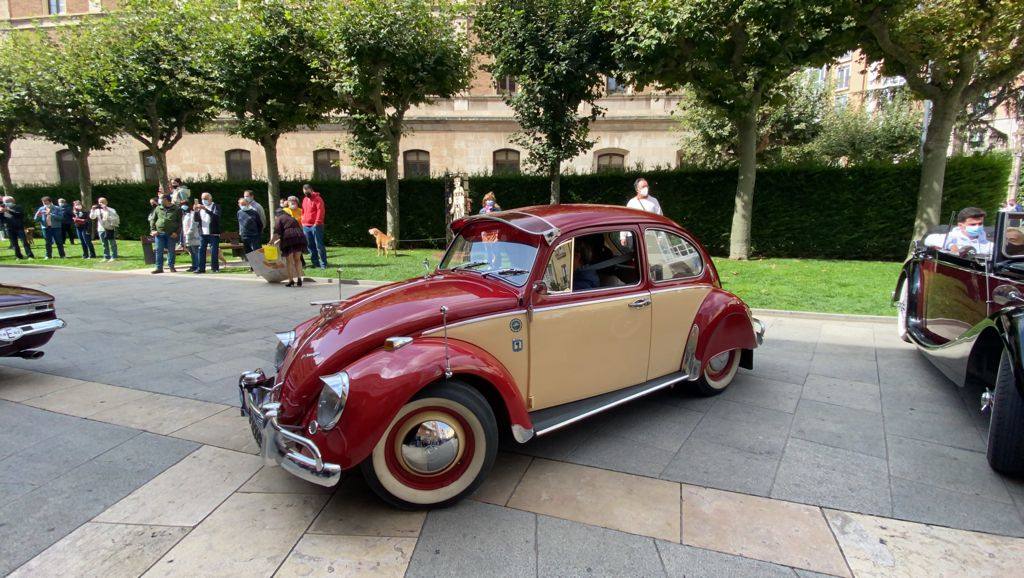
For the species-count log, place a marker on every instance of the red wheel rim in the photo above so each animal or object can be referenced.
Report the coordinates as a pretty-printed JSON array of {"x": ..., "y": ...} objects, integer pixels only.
[
  {"x": 717, "y": 375},
  {"x": 437, "y": 481}
]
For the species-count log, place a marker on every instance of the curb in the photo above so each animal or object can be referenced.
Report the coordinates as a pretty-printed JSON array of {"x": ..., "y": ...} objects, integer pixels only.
[{"x": 824, "y": 316}]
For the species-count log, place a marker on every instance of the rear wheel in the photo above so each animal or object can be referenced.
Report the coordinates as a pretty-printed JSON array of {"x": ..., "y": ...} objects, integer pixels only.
[
  {"x": 437, "y": 450},
  {"x": 1006, "y": 426},
  {"x": 718, "y": 373}
]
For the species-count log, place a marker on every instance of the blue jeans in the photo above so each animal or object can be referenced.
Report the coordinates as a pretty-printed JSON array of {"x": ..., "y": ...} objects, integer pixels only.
[
  {"x": 213, "y": 243},
  {"x": 315, "y": 244},
  {"x": 15, "y": 236},
  {"x": 109, "y": 239},
  {"x": 54, "y": 235},
  {"x": 164, "y": 242},
  {"x": 85, "y": 238},
  {"x": 193, "y": 251}
]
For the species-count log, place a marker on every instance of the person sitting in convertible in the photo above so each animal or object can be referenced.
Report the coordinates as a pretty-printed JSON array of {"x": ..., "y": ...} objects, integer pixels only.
[{"x": 969, "y": 233}]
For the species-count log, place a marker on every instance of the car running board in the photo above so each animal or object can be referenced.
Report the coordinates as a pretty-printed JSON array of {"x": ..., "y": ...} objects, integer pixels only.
[{"x": 554, "y": 418}]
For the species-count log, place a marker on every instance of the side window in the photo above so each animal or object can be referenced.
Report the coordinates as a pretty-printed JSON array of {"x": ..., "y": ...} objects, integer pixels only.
[
  {"x": 558, "y": 273},
  {"x": 670, "y": 256}
]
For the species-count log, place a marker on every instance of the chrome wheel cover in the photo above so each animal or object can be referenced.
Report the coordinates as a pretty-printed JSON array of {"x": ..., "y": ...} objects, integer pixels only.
[
  {"x": 718, "y": 362},
  {"x": 430, "y": 447}
]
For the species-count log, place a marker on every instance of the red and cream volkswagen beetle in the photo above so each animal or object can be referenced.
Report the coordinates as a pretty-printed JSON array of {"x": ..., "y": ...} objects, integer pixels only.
[{"x": 535, "y": 319}]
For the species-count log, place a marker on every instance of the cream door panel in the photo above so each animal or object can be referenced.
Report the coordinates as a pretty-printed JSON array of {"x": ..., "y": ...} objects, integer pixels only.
[
  {"x": 588, "y": 349},
  {"x": 507, "y": 341},
  {"x": 673, "y": 311}
]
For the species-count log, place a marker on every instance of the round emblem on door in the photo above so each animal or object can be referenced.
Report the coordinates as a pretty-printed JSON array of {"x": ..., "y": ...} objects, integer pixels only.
[{"x": 515, "y": 325}]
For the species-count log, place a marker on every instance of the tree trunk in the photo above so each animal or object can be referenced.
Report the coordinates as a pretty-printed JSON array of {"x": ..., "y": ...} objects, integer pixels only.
[
  {"x": 933, "y": 164},
  {"x": 746, "y": 134},
  {"x": 5, "y": 168},
  {"x": 161, "y": 169},
  {"x": 273, "y": 177},
  {"x": 555, "y": 174},
  {"x": 391, "y": 186},
  {"x": 84, "y": 178},
  {"x": 959, "y": 144},
  {"x": 1018, "y": 159}
]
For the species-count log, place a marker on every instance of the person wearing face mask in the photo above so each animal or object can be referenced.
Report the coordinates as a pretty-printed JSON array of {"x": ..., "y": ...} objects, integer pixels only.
[
  {"x": 51, "y": 219},
  {"x": 209, "y": 224},
  {"x": 107, "y": 222},
  {"x": 12, "y": 217},
  {"x": 969, "y": 233},
  {"x": 83, "y": 229},
  {"x": 165, "y": 232},
  {"x": 67, "y": 227},
  {"x": 643, "y": 199},
  {"x": 490, "y": 204},
  {"x": 251, "y": 199},
  {"x": 250, "y": 227}
]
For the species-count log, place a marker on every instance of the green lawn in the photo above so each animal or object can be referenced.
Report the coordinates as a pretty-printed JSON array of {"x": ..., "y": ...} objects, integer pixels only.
[{"x": 860, "y": 287}]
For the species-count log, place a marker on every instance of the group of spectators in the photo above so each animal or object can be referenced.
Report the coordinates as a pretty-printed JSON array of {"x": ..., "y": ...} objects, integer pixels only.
[{"x": 60, "y": 222}]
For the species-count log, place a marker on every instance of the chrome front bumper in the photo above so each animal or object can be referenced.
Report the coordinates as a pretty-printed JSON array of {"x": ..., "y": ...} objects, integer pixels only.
[
  {"x": 12, "y": 333},
  {"x": 758, "y": 330},
  {"x": 280, "y": 445}
]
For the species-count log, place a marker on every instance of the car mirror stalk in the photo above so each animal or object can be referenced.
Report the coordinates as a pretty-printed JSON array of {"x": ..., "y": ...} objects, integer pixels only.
[{"x": 1007, "y": 296}]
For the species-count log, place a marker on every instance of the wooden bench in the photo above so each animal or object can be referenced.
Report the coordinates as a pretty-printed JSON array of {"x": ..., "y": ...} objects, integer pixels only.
[{"x": 231, "y": 241}]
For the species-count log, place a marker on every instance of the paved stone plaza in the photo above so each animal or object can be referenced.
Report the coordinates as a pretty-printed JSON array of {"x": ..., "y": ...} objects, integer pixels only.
[{"x": 844, "y": 452}]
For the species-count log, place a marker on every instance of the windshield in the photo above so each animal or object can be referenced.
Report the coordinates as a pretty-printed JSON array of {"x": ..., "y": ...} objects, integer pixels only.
[{"x": 493, "y": 249}]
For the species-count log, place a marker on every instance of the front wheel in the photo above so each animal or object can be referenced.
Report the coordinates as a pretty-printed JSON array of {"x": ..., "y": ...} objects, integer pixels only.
[
  {"x": 1006, "y": 426},
  {"x": 718, "y": 373},
  {"x": 437, "y": 450}
]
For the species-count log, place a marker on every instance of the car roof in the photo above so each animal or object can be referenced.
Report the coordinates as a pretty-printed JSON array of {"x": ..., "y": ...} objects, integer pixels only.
[{"x": 570, "y": 217}]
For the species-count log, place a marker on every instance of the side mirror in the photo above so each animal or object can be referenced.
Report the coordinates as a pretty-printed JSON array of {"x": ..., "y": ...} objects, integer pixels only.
[
  {"x": 540, "y": 288},
  {"x": 1007, "y": 296}
]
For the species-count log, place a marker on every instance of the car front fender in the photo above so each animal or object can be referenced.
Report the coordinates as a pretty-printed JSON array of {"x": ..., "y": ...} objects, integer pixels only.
[
  {"x": 724, "y": 323},
  {"x": 383, "y": 381},
  {"x": 1010, "y": 325}
]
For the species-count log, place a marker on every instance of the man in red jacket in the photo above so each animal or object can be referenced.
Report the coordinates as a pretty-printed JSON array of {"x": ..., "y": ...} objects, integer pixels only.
[{"x": 313, "y": 225}]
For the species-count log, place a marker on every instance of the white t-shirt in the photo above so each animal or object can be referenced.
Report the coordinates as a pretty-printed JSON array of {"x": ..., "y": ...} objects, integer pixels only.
[{"x": 649, "y": 204}]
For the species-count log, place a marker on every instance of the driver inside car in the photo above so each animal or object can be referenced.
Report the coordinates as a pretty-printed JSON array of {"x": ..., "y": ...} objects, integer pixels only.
[
  {"x": 969, "y": 233},
  {"x": 583, "y": 278}
]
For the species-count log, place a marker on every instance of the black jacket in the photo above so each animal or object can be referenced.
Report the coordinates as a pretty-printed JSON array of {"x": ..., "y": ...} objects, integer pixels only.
[
  {"x": 249, "y": 224},
  {"x": 13, "y": 219},
  {"x": 214, "y": 211}
]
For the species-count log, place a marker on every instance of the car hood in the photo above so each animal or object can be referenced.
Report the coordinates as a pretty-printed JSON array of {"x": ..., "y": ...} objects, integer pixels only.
[
  {"x": 11, "y": 296},
  {"x": 328, "y": 343}
]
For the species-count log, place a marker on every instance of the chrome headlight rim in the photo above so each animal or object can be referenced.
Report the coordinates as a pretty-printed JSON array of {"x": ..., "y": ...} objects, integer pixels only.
[
  {"x": 285, "y": 339},
  {"x": 333, "y": 397}
]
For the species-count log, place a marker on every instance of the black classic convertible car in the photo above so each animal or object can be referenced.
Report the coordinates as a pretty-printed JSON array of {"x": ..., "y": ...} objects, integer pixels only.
[
  {"x": 965, "y": 311},
  {"x": 27, "y": 321}
]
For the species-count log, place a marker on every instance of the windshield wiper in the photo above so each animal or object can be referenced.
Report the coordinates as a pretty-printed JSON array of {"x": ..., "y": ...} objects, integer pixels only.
[
  {"x": 507, "y": 271},
  {"x": 470, "y": 265}
]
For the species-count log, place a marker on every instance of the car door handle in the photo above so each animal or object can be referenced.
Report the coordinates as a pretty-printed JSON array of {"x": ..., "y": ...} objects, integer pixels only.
[{"x": 640, "y": 303}]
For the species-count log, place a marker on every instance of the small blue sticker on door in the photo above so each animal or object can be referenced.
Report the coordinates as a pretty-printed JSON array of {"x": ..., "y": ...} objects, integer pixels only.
[
  {"x": 515, "y": 325},
  {"x": 517, "y": 345}
]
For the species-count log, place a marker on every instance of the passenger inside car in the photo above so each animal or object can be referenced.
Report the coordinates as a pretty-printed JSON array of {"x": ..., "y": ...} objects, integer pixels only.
[
  {"x": 969, "y": 234},
  {"x": 582, "y": 276}
]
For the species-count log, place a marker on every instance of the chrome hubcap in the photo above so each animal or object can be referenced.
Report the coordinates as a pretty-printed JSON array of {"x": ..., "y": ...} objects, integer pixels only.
[
  {"x": 718, "y": 362},
  {"x": 431, "y": 447},
  {"x": 987, "y": 398}
]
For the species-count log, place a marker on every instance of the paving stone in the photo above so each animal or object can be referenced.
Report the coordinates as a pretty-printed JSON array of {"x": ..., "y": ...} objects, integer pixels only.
[
  {"x": 159, "y": 413},
  {"x": 650, "y": 422},
  {"x": 275, "y": 480},
  {"x": 19, "y": 385},
  {"x": 852, "y": 394},
  {"x": 766, "y": 393},
  {"x": 46, "y": 460},
  {"x": 31, "y": 523},
  {"x": 248, "y": 535},
  {"x": 883, "y": 547},
  {"x": 558, "y": 445},
  {"x": 601, "y": 498},
  {"x": 781, "y": 368},
  {"x": 188, "y": 491},
  {"x": 22, "y": 426},
  {"x": 227, "y": 429},
  {"x": 945, "y": 467},
  {"x": 85, "y": 400},
  {"x": 745, "y": 427},
  {"x": 108, "y": 550},
  {"x": 840, "y": 427},
  {"x": 232, "y": 367},
  {"x": 844, "y": 367},
  {"x": 815, "y": 474},
  {"x": 705, "y": 463},
  {"x": 567, "y": 548},
  {"x": 690, "y": 562},
  {"x": 354, "y": 510},
  {"x": 499, "y": 484},
  {"x": 760, "y": 528},
  {"x": 476, "y": 539},
  {"x": 910, "y": 370},
  {"x": 343, "y": 556},
  {"x": 613, "y": 452},
  {"x": 929, "y": 504}
]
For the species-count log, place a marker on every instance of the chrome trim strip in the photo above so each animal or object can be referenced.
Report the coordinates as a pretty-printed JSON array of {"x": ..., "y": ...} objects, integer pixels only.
[
  {"x": 608, "y": 406},
  {"x": 591, "y": 302},
  {"x": 759, "y": 329},
  {"x": 25, "y": 310},
  {"x": 474, "y": 320},
  {"x": 680, "y": 287},
  {"x": 47, "y": 326}
]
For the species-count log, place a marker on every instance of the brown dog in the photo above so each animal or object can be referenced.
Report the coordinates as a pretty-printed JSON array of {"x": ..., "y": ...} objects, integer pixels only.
[{"x": 385, "y": 242}]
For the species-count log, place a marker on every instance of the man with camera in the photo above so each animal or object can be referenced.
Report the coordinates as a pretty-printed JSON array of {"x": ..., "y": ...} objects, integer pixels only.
[{"x": 12, "y": 218}]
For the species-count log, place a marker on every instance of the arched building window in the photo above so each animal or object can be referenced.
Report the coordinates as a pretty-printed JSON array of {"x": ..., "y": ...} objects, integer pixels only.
[
  {"x": 417, "y": 163},
  {"x": 239, "y": 165},
  {"x": 506, "y": 162},
  {"x": 326, "y": 165},
  {"x": 67, "y": 167},
  {"x": 611, "y": 162},
  {"x": 149, "y": 170}
]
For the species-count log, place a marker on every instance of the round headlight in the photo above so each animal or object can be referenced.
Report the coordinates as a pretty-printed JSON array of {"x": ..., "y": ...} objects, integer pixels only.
[{"x": 332, "y": 400}]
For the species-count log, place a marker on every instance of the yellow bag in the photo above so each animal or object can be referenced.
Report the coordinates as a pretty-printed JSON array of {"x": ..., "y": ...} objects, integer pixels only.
[{"x": 270, "y": 252}]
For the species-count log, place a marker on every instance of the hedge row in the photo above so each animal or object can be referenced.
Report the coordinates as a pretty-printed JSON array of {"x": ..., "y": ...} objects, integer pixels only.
[{"x": 811, "y": 212}]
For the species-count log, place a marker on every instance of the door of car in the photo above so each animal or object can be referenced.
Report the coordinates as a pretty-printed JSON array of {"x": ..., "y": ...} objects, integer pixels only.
[
  {"x": 955, "y": 295},
  {"x": 590, "y": 332},
  {"x": 678, "y": 287}
]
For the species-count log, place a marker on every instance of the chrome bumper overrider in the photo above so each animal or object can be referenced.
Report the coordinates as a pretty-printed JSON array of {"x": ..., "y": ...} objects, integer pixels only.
[
  {"x": 758, "y": 330},
  {"x": 15, "y": 332},
  {"x": 280, "y": 446}
]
